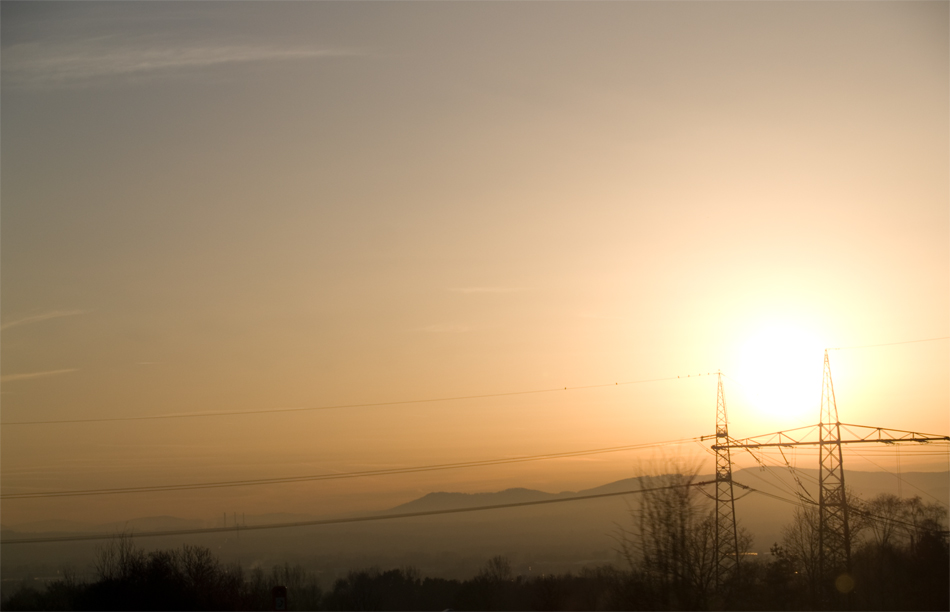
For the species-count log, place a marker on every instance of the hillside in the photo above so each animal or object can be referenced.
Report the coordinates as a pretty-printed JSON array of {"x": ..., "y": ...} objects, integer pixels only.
[{"x": 546, "y": 538}]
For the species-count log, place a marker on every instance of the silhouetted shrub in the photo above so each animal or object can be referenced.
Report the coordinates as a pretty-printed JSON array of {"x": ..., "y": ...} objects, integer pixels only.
[{"x": 904, "y": 565}]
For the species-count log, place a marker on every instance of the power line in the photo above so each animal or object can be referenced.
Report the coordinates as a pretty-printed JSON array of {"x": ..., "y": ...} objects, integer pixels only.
[
  {"x": 339, "y": 406},
  {"x": 850, "y": 507},
  {"x": 794, "y": 502},
  {"x": 310, "y": 478},
  {"x": 339, "y": 521},
  {"x": 900, "y": 479},
  {"x": 381, "y": 517},
  {"x": 842, "y": 348},
  {"x": 781, "y": 484}
]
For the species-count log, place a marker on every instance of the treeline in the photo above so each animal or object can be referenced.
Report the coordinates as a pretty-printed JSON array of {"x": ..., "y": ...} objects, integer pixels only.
[{"x": 900, "y": 561}]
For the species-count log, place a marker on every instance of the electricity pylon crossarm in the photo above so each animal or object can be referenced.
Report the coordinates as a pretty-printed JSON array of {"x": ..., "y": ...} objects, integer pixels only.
[
  {"x": 727, "y": 540},
  {"x": 857, "y": 434}
]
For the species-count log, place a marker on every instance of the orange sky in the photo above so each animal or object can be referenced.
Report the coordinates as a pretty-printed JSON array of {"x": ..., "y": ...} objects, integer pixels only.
[{"x": 227, "y": 207}]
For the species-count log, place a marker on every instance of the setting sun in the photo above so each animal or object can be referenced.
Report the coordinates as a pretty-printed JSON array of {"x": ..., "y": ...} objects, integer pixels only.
[{"x": 781, "y": 368}]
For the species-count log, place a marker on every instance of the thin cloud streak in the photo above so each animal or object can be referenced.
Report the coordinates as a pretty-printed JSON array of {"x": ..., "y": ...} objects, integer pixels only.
[
  {"x": 54, "y": 314},
  {"x": 40, "y": 64},
  {"x": 13, "y": 377}
]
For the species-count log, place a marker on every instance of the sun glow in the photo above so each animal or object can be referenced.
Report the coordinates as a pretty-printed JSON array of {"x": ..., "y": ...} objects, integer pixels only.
[{"x": 781, "y": 368}]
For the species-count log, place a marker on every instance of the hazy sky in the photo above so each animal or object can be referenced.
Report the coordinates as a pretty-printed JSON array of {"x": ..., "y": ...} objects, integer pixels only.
[{"x": 246, "y": 206}]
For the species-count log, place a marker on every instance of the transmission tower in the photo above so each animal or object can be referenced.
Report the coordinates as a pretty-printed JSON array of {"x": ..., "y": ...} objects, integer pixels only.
[
  {"x": 834, "y": 537},
  {"x": 727, "y": 540}
]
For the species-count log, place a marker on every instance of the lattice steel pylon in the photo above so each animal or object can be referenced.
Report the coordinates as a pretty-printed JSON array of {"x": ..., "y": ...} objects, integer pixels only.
[
  {"x": 834, "y": 537},
  {"x": 727, "y": 538}
]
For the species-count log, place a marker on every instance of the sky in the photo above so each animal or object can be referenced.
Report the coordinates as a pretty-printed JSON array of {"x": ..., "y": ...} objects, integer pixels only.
[{"x": 229, "y": 207}]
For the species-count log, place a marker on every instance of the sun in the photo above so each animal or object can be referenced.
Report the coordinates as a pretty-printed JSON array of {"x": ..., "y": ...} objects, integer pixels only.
[{"x": 781, "y": 368}]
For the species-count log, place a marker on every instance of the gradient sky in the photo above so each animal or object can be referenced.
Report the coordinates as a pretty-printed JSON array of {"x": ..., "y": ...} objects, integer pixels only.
[{"x": 244, "y": 206}]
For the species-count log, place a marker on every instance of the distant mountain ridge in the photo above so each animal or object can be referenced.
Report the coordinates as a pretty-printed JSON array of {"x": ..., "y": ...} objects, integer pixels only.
[
  {"x": 929, "y": 485},
  {"x": 442, "y": 500}
]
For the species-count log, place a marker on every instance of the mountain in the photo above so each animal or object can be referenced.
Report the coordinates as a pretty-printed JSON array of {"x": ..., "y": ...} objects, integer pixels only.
[
  {"x": 545, "y": 538},
  {"x": 450, "y": 501}
]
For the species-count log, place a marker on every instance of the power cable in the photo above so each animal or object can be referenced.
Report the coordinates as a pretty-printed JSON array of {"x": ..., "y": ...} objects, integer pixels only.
[
  {"x": 310, "y": 478},
  {"x": 765, "y": 455},
  {"x": 340, "y": 521},
  {"x": 850, "y": 507},
  {"x": 761, "y": 462},
  {"x": 794, "y": 502},
  {"x": 339, "y": 406},
  {"x": 900, "y": 479},
  {"x": 920, "y": 451},
  {"x": 794, "y": 473},
  {"x": 842, "y": 348},
  {"x": 780, "y": 485},
  {"x": 890, "y": 519}
]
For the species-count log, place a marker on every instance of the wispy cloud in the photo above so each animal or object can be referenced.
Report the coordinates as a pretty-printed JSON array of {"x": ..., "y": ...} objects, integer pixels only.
[
  {"x": 442, "y": 328},
  {"x": 489, "y": 289},
  {"x": 57, "y": 65},
  {"x": 13, "y": 377},
  {"x": 53, "y": 314}
]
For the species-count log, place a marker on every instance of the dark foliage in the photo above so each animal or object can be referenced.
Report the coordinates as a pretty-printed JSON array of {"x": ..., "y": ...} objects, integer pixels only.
[{"x": 901, "y": 563}]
